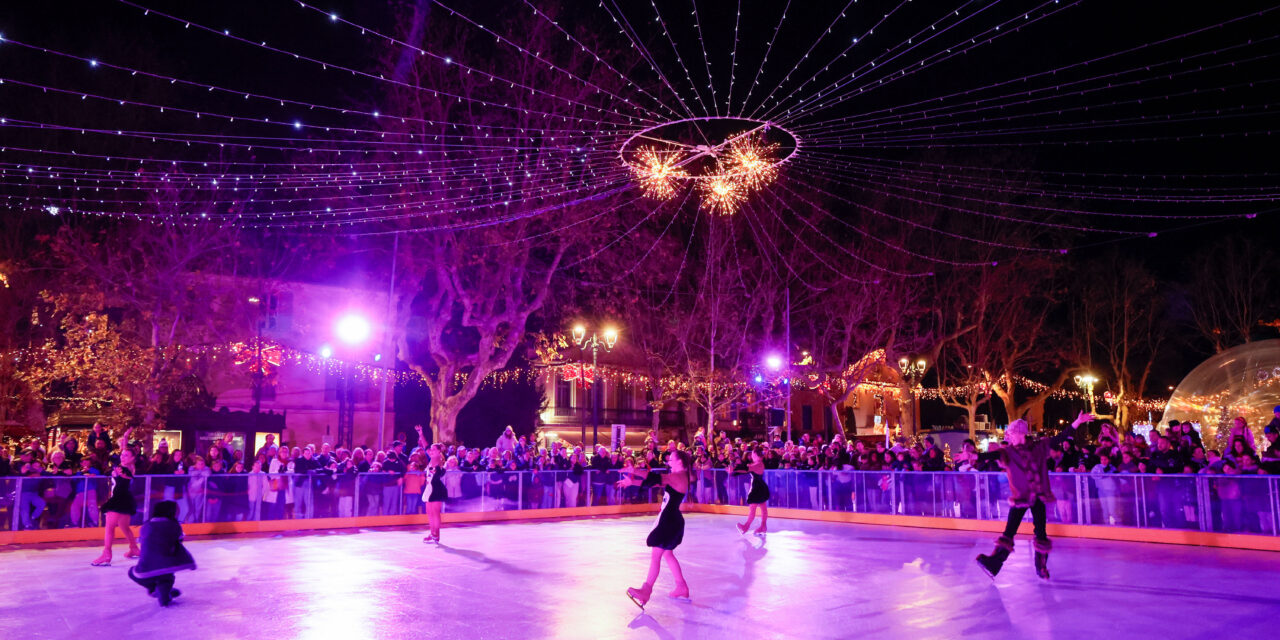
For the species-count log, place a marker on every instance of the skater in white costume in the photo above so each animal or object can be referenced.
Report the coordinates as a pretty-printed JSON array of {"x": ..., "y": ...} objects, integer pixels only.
[{"x": 434, "y": 492}]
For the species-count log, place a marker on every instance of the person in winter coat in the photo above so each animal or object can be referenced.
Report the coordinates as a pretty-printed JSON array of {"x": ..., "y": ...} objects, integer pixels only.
[
  {"x": 162, "y": 553},
  {"x": 1028, "y": 471}
]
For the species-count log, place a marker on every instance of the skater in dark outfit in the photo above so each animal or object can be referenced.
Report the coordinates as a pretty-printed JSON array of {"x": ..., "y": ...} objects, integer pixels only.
[
  {"x": 120, "y": 507},
  {"x": 1026, "y": 464},
  {"x": 434, "y": 492},
  {"x": 759, "y": 495},
  {"x": 162, "y": 553},
  {"x": 668, "y": 530}
]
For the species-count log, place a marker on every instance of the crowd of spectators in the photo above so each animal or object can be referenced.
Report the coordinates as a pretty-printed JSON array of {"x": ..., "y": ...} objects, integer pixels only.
[{"x": 281, "y": 481}]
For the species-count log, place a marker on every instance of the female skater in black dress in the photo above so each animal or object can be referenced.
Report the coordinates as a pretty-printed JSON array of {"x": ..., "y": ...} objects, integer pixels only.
[
  {"x": 434, "y": 491},
  {"x": 120, "y": 507},
  {"x": 759, "y": 495},
  {"x": 668, "y": 530}
]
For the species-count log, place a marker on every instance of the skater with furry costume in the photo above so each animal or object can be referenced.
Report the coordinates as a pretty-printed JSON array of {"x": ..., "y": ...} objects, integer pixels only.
[{"x": 1026, "y": 465}]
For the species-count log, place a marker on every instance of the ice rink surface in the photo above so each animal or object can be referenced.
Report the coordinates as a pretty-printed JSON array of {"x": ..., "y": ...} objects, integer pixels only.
[{"x": 566, "y": 579}]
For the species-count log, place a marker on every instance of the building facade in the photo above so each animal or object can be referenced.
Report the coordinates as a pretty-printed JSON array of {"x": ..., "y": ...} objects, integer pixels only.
[{"x": 327, "y": 353}]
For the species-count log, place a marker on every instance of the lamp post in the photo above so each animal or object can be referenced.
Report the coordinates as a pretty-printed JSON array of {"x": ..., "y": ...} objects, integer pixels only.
[
  {"x": 774, "y": 362},
  {"x": 610, "y": 338},
  {"x": 913, "y": 371},
  {"x": 1086, "y": 382}
]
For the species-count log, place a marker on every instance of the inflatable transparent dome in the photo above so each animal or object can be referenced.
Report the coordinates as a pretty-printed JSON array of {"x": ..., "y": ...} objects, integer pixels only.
[{"x": 1241, "y": 381}]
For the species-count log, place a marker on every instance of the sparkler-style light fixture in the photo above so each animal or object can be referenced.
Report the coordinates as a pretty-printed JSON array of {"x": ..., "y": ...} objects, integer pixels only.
[
  {"x": 658, "y": 175},
  {"x": 729, "y": 158},
  {"x": 751, "y": 163},
  {"x": 723, "y": 195}
]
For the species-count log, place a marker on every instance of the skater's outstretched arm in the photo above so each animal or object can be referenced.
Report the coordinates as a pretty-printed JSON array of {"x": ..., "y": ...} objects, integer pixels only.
[
  {"x": 653, "y": 479},
  {"x": 1066, "y": 434}
]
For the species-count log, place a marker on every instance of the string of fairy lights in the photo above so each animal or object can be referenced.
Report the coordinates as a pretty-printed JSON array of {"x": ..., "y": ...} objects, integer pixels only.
[{"x": 774, "y": 121}]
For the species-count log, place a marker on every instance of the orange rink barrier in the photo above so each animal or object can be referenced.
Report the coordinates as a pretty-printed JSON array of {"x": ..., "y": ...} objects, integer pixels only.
[{"x": 1125, "y": 534}]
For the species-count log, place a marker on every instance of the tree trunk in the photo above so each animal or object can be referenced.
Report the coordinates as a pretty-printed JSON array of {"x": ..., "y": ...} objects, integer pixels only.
[
  {"x": 444, "y": 419},
  {"x": 836, "y": 423}
]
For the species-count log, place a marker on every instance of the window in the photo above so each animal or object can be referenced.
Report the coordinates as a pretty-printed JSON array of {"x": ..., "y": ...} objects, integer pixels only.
[
  {"x": 333, "y": 381},
  {"x": 826, "y": 420},
  {"x": 626, "y": 397},
  {"x": 280, "y": 311},
  {"x": 564, "y": 393},
  {"x": 330, "y": 386},
  {"x": 806, "y": 417}
]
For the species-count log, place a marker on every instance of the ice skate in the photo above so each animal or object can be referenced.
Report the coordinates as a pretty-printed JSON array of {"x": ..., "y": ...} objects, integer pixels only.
[
  {"x": 681, "y": 592},
  {"x": 742, "y": 528},
  {"x": 133, "y": 552},
  {"x": 431, "y": 540},
  {"x": 992, "y": 564},
  {"x": 1042, "y": 558},
  {"x": 102, "y": 561},
  {"x": 640, "y": 596},
  {"x": 762, "y": 530}
]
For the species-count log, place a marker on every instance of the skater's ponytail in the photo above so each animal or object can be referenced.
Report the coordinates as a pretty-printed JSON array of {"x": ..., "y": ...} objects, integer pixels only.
[{"x": 687, "y": 461}]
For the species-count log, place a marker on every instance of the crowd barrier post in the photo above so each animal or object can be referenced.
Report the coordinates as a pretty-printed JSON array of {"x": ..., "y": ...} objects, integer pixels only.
[
  {"x": 17, "y": 504},
  {"x": 146, "y": 497}
]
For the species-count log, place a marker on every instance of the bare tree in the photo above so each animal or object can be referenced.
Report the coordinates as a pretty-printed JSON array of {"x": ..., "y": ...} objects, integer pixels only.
[
  {"x": 1122, "y": 312},
  {"x": 1229, "y": 292},
  {"x": 477, "y": 258}
]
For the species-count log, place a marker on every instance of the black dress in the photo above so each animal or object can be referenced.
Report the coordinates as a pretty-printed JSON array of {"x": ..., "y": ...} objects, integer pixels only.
[
  {"x": 435, "y": 486},
  {"x": 121, "y": 500},
  {"x": 668, "y": 529},
  {"x": 759, "y": 489}
]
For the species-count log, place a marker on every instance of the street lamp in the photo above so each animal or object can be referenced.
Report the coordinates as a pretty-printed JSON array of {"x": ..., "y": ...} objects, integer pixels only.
[
  {"x": 913, "y": 371},
  {"x": 774, "y": 363},
  {"x": 353, "y": 330},
  {"x": 1086, "y": 382},
  {"x": 607, "y": 339}
]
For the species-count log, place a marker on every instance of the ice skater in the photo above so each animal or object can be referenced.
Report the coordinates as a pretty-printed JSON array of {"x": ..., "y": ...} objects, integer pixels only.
[
  {"x": 758, "y": 497},
  {"x": 434, "y": 492},
  {"x": 668, "y": 530},
  {"x": 162, "y": 553},
  {"x": 120, "y": 506},
  {"x": 1028, "y": 471}
]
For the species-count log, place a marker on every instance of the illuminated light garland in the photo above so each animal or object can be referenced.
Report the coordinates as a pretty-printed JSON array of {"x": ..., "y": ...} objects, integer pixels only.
[
  {"x": 1021, "y": 81},
  {"x": 960, "y": 391}
]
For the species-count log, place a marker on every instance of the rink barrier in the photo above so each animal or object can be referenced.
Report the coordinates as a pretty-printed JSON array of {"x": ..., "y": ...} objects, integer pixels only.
[
  {"x": 95, "y": 534},
  {"x": 1211, "y": 510},
  {"x": 1056, "y": 530}
]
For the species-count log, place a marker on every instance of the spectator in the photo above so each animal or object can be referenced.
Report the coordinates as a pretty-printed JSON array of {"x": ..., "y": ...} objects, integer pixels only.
[
  {"x": 506, "y": 441},
  {"x": 268, "y": 446}
]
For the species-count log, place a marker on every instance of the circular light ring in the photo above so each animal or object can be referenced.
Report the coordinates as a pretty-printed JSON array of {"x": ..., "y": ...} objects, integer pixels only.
[{"x": 739, "y": 128}]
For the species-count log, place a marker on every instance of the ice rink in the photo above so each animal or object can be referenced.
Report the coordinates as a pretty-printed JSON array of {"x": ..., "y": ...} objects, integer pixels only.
[{"x": 566, "y": 579}]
